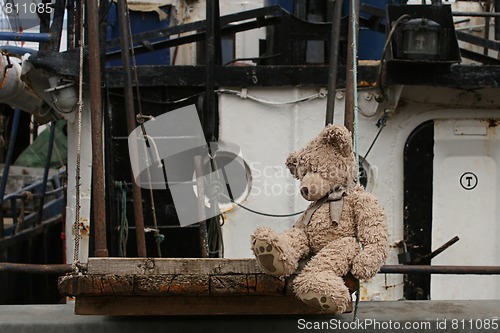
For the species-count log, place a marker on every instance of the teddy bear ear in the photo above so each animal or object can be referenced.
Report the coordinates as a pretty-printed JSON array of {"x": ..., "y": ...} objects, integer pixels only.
[
  {"x": 291, "y": 163},
  {"x": 339, "y": 137}
]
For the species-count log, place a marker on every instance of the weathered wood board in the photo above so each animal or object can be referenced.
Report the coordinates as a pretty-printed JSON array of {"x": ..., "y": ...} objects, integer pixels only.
[{"x": 154, "y": 286}]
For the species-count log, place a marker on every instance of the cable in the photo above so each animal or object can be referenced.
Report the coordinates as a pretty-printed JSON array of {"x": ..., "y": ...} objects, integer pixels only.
[
  {"x": 261, "y": 213},
  {"x": 254, "y": 59},
  {"x": 267, "y": 214},
  {"x": 380, "y": 124},
  {"x": 244, "y": 95},
  {"x": 384, "y": 51}
]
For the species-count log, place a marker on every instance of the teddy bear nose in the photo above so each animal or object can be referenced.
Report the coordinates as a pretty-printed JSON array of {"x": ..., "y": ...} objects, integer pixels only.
[{"x": 304, "y": 191}]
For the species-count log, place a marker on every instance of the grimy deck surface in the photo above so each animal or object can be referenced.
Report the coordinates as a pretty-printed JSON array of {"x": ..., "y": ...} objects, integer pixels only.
[{"x": 394, "y": 316}]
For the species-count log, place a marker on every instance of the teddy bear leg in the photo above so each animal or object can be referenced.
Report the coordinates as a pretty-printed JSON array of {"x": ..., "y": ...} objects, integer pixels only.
[
  {"x": 320, "y": 284},
  {"x": 279, "y": 254}
]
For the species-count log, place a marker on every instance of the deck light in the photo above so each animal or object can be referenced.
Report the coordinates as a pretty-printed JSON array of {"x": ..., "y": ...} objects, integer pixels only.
[{"x": 421, "y": 39}]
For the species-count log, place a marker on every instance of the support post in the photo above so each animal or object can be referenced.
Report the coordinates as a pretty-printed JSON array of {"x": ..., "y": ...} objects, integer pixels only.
[
  {"x": 98, "y": 199},
  {"x": 350, "y": 81},
  {"x": 334, "y": 55}
]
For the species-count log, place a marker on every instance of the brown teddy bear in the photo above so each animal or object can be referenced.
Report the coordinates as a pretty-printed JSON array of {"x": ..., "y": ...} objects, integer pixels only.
[{"x": 343, "y": 230}]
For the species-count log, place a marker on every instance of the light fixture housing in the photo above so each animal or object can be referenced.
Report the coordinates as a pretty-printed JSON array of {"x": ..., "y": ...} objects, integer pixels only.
[{"x": 421, "y": 39}]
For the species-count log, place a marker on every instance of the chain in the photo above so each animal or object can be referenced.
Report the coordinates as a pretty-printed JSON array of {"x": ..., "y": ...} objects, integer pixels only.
[{"x": 76, "y": 224}]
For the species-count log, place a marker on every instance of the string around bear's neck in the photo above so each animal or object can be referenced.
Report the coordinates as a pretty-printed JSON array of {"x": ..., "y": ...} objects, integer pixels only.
[{"x": 336, "y": 199}]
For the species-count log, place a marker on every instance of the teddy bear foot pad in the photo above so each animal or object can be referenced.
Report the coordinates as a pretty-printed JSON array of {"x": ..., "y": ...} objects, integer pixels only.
[
  {"x": 268, "y": 257},
  {"x": 319, "y": 301}
]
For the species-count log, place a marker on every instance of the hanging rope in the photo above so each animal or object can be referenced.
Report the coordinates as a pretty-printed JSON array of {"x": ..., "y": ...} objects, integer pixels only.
[{"x": 76, "y": 224}]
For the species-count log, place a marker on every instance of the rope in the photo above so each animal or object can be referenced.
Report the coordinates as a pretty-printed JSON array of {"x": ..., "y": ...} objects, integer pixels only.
[{"x": 76, "y": 224}]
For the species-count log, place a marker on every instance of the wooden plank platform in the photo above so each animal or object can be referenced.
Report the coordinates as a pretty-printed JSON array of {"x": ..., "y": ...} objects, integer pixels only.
[{"x": 159, "y": 286}]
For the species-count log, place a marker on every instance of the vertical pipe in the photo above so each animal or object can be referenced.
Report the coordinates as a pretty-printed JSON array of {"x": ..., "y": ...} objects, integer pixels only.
[
  {"x": 98, "y": 199},
  {"x": 212, "y": 57},
  {"x": 350, "y": 84},
  {"x": 487, "y": 25},
  {"x": 46, "y": 172},
  {"x": 131, "y": 122},
  {"x": 334, "y": 55},
  {"x": 497, "y": 20}
]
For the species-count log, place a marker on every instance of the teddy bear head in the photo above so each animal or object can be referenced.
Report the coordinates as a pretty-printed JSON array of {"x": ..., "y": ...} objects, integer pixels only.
[{"x": 324, "y": 163}]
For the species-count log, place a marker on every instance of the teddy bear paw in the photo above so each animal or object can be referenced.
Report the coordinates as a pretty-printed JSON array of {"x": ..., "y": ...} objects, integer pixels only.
[
  {"x": 319, "y": 301},
  {"x": 268, "y": 257}
]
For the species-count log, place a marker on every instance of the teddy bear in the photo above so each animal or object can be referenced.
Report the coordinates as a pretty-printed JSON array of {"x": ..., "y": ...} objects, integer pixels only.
[{"x": 342, "y": 231}]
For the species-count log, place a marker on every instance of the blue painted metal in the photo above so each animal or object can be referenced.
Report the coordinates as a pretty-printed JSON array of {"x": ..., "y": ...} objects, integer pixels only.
[
  {"x": 371, "y": 43},
  {"x": 16, "y": 50},
  {"x": 286, "y": 4},
  {"x": 140, "y": 22},
  {"x": 25, "y": 36}
]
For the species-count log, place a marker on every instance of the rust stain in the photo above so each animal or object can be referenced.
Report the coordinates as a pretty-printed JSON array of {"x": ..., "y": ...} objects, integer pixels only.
[
  {"x": 366, "y": 84},
  {"x": 493, "y": 122},
  {"x": 84, "y": 228}
]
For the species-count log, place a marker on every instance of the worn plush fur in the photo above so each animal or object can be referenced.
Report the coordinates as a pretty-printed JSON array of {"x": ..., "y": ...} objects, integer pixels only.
[{"x": 358, "y": 244}]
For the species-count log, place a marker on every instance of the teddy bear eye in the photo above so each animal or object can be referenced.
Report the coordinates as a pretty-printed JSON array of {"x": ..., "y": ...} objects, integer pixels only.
[{"x": 301, "y": 171}]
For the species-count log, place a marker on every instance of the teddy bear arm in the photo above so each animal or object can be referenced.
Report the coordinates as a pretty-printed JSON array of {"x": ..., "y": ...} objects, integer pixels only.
[{"x": 372, "y": 234}]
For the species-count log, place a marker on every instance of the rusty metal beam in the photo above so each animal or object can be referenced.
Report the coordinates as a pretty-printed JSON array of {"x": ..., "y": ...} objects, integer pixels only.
[
  {"x": 386, "y": 269},
  {"x": 35, "y": 268}
]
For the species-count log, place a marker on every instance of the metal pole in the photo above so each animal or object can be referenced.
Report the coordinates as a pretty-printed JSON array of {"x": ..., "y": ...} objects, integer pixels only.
[
  {"x": 487, "y": 25},
  {"x": 98, "y": 199},
  {"x": 131, "y": 122},
  {"x": 26, "y": 37},
  {"x": 351, "y": 85},
  {"x": 212, "y": 57},
  {"x": 476, "y": 14},
  {"x": 429, "y": 269},
  {"x": 334, "y": 55}
]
